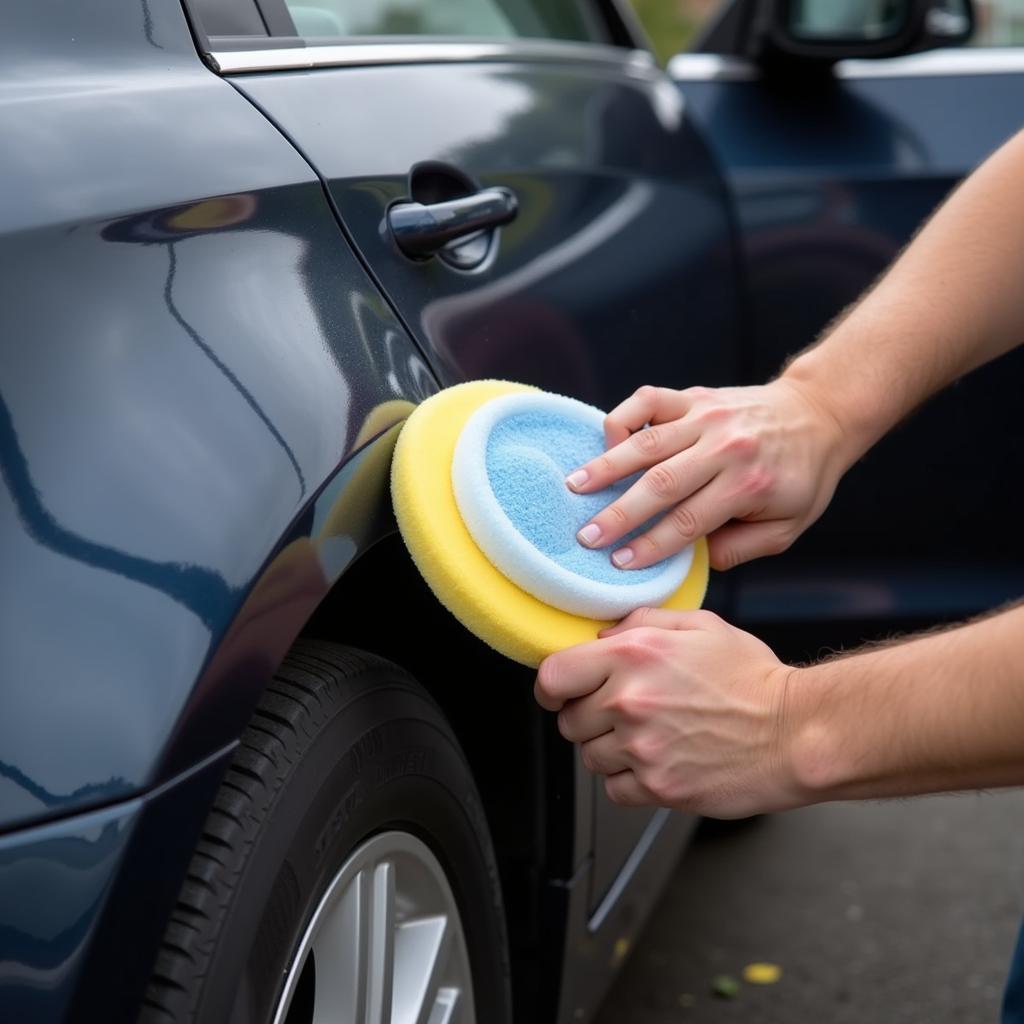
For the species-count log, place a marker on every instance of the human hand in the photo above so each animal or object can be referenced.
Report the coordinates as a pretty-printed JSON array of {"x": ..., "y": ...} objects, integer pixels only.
[
  {"x": 677, "y": 709},
  {"x": 749, "y": 467}
]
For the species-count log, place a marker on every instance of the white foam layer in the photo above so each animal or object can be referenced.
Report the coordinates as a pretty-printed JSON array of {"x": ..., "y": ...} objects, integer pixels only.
[{"x": 513, "y": 554}]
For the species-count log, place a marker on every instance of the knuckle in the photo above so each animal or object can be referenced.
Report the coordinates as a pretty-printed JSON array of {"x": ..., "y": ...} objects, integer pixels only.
[
  {"x": 648, "y": 441},
  {"x": 587, "y": 757},
  {"x": 704, "y": 619},
  {"x": 616, "y": 516},
  {"x": 564, "y": 725},
  {"x": 698, "y": 393},
  {"x": 547, "y": 677},
  {"x": 614, "y": 791},
  {"x": 728, "y": 557},
  {"x": 713, "y": 412},
  {"x": 651, "y": 779},
  {"x": 646, "y": 391},
  {"x": 684, "y": 522},
  {"x": 756, "y": 482},
  {"x": 740, "y": 446},
  {"x": 662, "y": 481},
  {"x": 651, "y": 546},
  {"x": 605, "y": 466},
  {"x": 644, "y": 748},
  {"x": 634, "y": 646}
]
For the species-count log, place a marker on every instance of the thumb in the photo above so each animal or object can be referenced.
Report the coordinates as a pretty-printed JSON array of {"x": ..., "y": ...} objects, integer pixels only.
[
  {"x": 658, "y": 618},
  {"x": 739, "y": 542}
]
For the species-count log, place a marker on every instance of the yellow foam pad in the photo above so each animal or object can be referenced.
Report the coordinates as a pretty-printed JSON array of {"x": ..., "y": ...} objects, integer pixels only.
[{"x": 487, "y": 603}]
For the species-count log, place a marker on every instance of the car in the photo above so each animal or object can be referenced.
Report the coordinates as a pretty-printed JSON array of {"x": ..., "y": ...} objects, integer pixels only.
[{"x": 250, "y": 769}]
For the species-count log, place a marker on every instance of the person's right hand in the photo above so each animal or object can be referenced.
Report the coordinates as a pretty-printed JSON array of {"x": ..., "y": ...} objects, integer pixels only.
[{"x": 750, "y": 467}]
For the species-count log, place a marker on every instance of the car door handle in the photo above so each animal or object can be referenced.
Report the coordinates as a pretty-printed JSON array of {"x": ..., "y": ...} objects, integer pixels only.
[{"x": 420, "y": 230}]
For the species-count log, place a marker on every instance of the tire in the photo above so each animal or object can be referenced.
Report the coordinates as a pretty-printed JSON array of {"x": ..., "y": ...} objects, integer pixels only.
[{"x": 346, "y": 765}]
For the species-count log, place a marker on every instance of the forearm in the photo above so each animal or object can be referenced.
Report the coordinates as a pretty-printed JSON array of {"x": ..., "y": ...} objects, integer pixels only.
[
  {"x": 941, "y": 712},
  {"x": 952, "y": 301}
]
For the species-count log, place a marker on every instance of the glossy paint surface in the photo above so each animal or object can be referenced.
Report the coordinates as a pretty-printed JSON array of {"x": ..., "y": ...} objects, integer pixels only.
[
  {"x": 619, "y": 266},
  {"x": 190, "y": 352},
  {"x": 83, "y": 901},
  {"x": 830, "y": 181},
  {"x": 618, "y": 270}
]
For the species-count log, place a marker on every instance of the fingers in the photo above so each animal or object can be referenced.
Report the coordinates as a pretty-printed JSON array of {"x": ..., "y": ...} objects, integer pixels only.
[
  {"x": 604, "y": 755},
  {"x": 736, "y": 543},
  {"x": 637, "y": 451},
  {"x": 646, "y": 405},
  {"x": 694, "y": 517},
  {"x": 626, "y": 789},
  {"x": 661, "y": 487},
  {"x": 583, "y": 719},
  {"x": 572, "y": 673},
  {"x": 661, "y": 618}
]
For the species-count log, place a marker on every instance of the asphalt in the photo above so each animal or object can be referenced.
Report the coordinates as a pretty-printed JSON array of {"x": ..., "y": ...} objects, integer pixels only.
[{"x": 903, "y": 912}]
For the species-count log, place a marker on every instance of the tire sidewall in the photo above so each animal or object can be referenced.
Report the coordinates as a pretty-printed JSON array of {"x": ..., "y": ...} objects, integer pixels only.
[{"x": 385, "y": 760}]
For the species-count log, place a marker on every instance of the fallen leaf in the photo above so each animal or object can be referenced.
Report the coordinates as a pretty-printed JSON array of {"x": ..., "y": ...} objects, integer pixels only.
[
  {"x": 762, "y": 974},
  {"x": 725, "y": 986}
]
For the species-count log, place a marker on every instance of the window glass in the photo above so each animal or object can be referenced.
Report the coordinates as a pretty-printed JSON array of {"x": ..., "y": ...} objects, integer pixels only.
[
  {"x": 999, "y": 23},
  {"x": 672, "y": 25},
  {"x": 536, "y": 19}
]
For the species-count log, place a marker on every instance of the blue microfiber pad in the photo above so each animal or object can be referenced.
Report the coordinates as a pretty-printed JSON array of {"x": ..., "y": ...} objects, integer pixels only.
[{"x": 508, "y": 476}]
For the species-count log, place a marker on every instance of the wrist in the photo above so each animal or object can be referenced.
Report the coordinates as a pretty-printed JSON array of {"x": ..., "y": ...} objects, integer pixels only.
[
  {"x": 813, "y": 756},
  {"x": 854, "y": 423}
]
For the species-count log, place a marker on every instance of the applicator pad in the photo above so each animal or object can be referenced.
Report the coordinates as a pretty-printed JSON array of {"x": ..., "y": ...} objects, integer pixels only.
[{"x": 478, "y": 485}]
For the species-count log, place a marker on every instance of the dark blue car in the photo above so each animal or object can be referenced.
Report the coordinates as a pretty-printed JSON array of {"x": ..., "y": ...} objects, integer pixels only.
[{"x": 250, "y": 771}]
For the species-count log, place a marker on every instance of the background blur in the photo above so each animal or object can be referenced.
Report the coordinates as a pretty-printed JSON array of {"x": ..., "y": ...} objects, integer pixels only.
[{"x": 673, "y": 24}]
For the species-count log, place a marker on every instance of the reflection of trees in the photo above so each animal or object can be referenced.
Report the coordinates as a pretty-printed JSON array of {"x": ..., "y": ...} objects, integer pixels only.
[
  {"x": 91, "y": 792},
  {"x": 202, "y": 591}
]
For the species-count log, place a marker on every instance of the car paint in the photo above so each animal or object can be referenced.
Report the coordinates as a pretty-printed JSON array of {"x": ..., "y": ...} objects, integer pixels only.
[
  {"x": 623, "y": 231},
  {"x": 171, "y": 510},
  {"x": 154, "y": 576},
  {"x": 830, "y": 179}
]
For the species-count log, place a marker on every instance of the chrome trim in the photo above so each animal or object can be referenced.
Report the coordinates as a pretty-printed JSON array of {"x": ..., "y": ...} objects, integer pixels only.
[
  {"x": 629, "y": 869},
  {"x": 711, "y": 67},
  {"x": 234, "y": 62},
  {"x": 701, "y": 67}
]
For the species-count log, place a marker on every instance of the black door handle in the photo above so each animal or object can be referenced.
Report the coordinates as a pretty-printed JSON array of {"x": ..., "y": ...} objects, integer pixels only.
[{"x": 421, "y": 230}]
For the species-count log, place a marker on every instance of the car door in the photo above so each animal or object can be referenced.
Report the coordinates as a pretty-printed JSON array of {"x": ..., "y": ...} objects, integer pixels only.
[
  {"x": 831, "y": 176},
  {"x": 617, "y": 267}
]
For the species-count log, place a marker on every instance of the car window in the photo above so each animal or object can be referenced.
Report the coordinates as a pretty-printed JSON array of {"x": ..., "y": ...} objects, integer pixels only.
[
  {"x": 998, "y": 23},
  {"x": 672, "y": 25},
  {"x": 502, "y": 19}
]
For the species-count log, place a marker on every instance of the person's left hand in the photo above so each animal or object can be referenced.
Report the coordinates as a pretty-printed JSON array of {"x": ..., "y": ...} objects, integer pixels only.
[{"x": 677, "y": 709}]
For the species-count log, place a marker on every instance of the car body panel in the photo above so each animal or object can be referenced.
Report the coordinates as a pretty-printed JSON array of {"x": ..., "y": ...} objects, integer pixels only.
[
  {"x": 830, "y": 179},
  {"x": 621, "y": 255},
  {"x": 192, "y": 352},
  {"x": 84, "y": 899},
  {"x": 208, "y": 355}
]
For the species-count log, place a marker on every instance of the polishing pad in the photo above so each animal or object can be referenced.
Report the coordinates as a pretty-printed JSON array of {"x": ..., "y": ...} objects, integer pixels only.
[
  {"x": 508, "y": 474},
  {"x": 480, "y": 499}
]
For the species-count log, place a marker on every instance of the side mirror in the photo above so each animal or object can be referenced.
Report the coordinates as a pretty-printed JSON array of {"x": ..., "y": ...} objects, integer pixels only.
[{"x": 821, "y": 32}]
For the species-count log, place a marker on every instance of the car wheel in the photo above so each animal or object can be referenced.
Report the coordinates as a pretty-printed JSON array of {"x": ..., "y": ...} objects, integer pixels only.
[{"x": 345, "y": 871}]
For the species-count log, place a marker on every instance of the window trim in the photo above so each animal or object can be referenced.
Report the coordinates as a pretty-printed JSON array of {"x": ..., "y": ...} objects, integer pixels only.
[
  {"x": 372, "y": 50},
  {"x": 942, "y": 63}
]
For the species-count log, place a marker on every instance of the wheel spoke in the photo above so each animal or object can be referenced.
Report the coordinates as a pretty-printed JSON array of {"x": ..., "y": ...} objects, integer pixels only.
[
  {"x": 341, "y": 949},
  {"x": 381, "y": 945},
  {"x": 421, "y": 953},
  {"x": 445, "y": 1005},
  {"x": 385, "y": 945}
]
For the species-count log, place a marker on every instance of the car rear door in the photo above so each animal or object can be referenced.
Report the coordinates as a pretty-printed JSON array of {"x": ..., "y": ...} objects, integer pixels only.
[
  {"x": 831, "y": 177},
  {"x": 618, "y": 268}
]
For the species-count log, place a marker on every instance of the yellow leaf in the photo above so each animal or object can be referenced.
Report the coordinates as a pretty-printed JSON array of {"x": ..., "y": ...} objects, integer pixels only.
[{"x": 762, "y": 974}]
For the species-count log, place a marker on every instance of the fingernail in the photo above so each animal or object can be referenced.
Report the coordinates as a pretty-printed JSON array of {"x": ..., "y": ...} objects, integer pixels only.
[
  {"x": 589, "y": 535},
  {"x": 623, "y": 557},
  {"x": 577, "y": 479}
]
